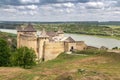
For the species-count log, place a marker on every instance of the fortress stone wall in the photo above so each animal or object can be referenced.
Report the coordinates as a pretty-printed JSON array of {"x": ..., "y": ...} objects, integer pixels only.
[
  {"x": 80, "y": 45},
  {"x": 30, "y": 42},
  {"x": 47, "y": 45},
  {"x": 53, "y": 49},
  {"x": 77, "y": 45}
]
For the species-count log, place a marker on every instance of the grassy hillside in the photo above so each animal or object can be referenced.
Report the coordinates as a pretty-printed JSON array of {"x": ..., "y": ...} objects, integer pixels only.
[
  {"x": 69, "y": 67},
  {"x": 10, "y": 38}
]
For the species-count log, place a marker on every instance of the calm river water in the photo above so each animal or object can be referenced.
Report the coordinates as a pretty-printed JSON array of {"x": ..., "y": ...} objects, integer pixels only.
[{"x": 89, "y": 40}]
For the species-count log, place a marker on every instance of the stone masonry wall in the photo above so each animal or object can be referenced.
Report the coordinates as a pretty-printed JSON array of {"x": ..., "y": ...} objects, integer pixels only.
[
  {"x": 53, "y": 49},
  {"x": 30, "y": 42},
  {"x": 69, "y": 45},
  {"x": 80, "y": 45}
]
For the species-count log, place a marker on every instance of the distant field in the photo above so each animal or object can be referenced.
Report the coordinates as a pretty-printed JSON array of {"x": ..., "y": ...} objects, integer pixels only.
[
  {"x": 69, "y": 67},
  {"x": 114, "y": 26}
]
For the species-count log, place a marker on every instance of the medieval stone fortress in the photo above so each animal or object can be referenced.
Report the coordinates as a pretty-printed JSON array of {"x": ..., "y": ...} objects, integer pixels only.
[{"x": 47, "y": 45}]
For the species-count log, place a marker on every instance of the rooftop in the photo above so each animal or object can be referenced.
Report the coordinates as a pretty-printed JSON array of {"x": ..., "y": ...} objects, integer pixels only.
[
  {"x": 29, "y": 28},
  {"x": 43, "y": 33}
]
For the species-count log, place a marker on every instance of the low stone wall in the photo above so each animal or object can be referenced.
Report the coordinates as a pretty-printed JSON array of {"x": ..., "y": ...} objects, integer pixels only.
[
  {"x": 81, "y": 46},
  {"x": 69, "y": 45}
]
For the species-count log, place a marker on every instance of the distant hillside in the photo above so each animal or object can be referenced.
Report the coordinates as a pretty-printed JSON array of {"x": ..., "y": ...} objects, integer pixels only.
[
  {"x": 10, "y": 38},
  {"x": 110, "y": 23},
  {"x": 106, "y": 29},
  {"x": 14, "y": 24}
]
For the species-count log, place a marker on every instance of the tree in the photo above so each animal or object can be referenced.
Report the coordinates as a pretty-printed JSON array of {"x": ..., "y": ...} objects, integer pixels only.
[
  {"x": 115, "y": 48},
  {"x": 4, "y": 53},
  {"x": 25, "y": 57}
]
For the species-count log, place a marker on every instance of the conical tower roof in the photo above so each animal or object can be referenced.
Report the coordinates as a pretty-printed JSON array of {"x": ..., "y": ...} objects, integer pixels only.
[
  {"x": 29, "y": 28},
  {"x": 43, "y": 33}
]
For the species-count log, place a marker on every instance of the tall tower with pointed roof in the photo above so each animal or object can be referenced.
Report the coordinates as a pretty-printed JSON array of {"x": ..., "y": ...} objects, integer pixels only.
[
  {"x": 43, "y": 38},
  {"x": 27, "y": 30}
]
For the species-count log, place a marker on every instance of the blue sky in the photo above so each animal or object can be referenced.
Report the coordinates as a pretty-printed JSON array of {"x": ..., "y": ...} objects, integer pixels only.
[{"x": 60, "y": 10}]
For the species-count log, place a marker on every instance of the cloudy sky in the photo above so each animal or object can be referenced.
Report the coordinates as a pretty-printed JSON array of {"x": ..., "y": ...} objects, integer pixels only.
[{"x": 60, "y": 10}]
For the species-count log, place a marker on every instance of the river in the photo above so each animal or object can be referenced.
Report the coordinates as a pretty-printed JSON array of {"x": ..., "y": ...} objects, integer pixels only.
[{"x": 89, "y": 40}]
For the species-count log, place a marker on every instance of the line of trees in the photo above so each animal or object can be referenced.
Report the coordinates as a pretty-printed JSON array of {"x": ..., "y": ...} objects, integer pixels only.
[{"x": 22, "y": 57}]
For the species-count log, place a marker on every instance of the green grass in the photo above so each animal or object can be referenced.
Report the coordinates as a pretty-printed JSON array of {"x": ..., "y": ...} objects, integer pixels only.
[
  {"x": 102, "y": 65},
  {"x": 114, "y": 26},
  {"x": 59, "y": 61}
]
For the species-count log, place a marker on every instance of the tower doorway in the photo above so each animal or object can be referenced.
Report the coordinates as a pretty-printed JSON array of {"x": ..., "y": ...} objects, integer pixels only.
[{"x": 72, "y": 48}]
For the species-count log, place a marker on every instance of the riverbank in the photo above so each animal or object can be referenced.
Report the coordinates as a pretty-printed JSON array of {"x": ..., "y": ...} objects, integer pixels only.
[
  {"x": 100, "y": 36},
  {"x": 111, "y": 37},
  {"x": 91, "y": 40}
]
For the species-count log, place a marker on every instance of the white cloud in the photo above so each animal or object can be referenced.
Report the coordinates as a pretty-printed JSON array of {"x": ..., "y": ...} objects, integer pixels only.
[
  {"x": 12, "y": 10},
  {"x": 24, "y": 12},
  {"x": 68, "y": 10},
  {"x": 65, "y": 0},
  {"x": 91, "y": 10},
  {"x": 32, "y": 7},
  {"x": 68, "y": 5},
  {"x": 46, "y": 7},
  {"x": 61, "y": 5},
  {"x": 28, "y": 13},
  {"x": 21, "y": 7},
  {"x": 29, "y": 1},
  {"x": 32, "y": 12},
  {"x": 95, "y": 4},
  {"x": 117, "y": 12}
]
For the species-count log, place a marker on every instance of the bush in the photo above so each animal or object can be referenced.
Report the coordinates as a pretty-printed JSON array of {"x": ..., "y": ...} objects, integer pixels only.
[
  {"x": 4, "y": 53},
  {"x": 115, "y": 48},
  {"x": 24, "y": 57}
]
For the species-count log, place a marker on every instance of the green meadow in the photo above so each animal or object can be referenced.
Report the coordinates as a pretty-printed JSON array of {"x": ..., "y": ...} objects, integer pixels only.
[{"x": 84, "y": 65}]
